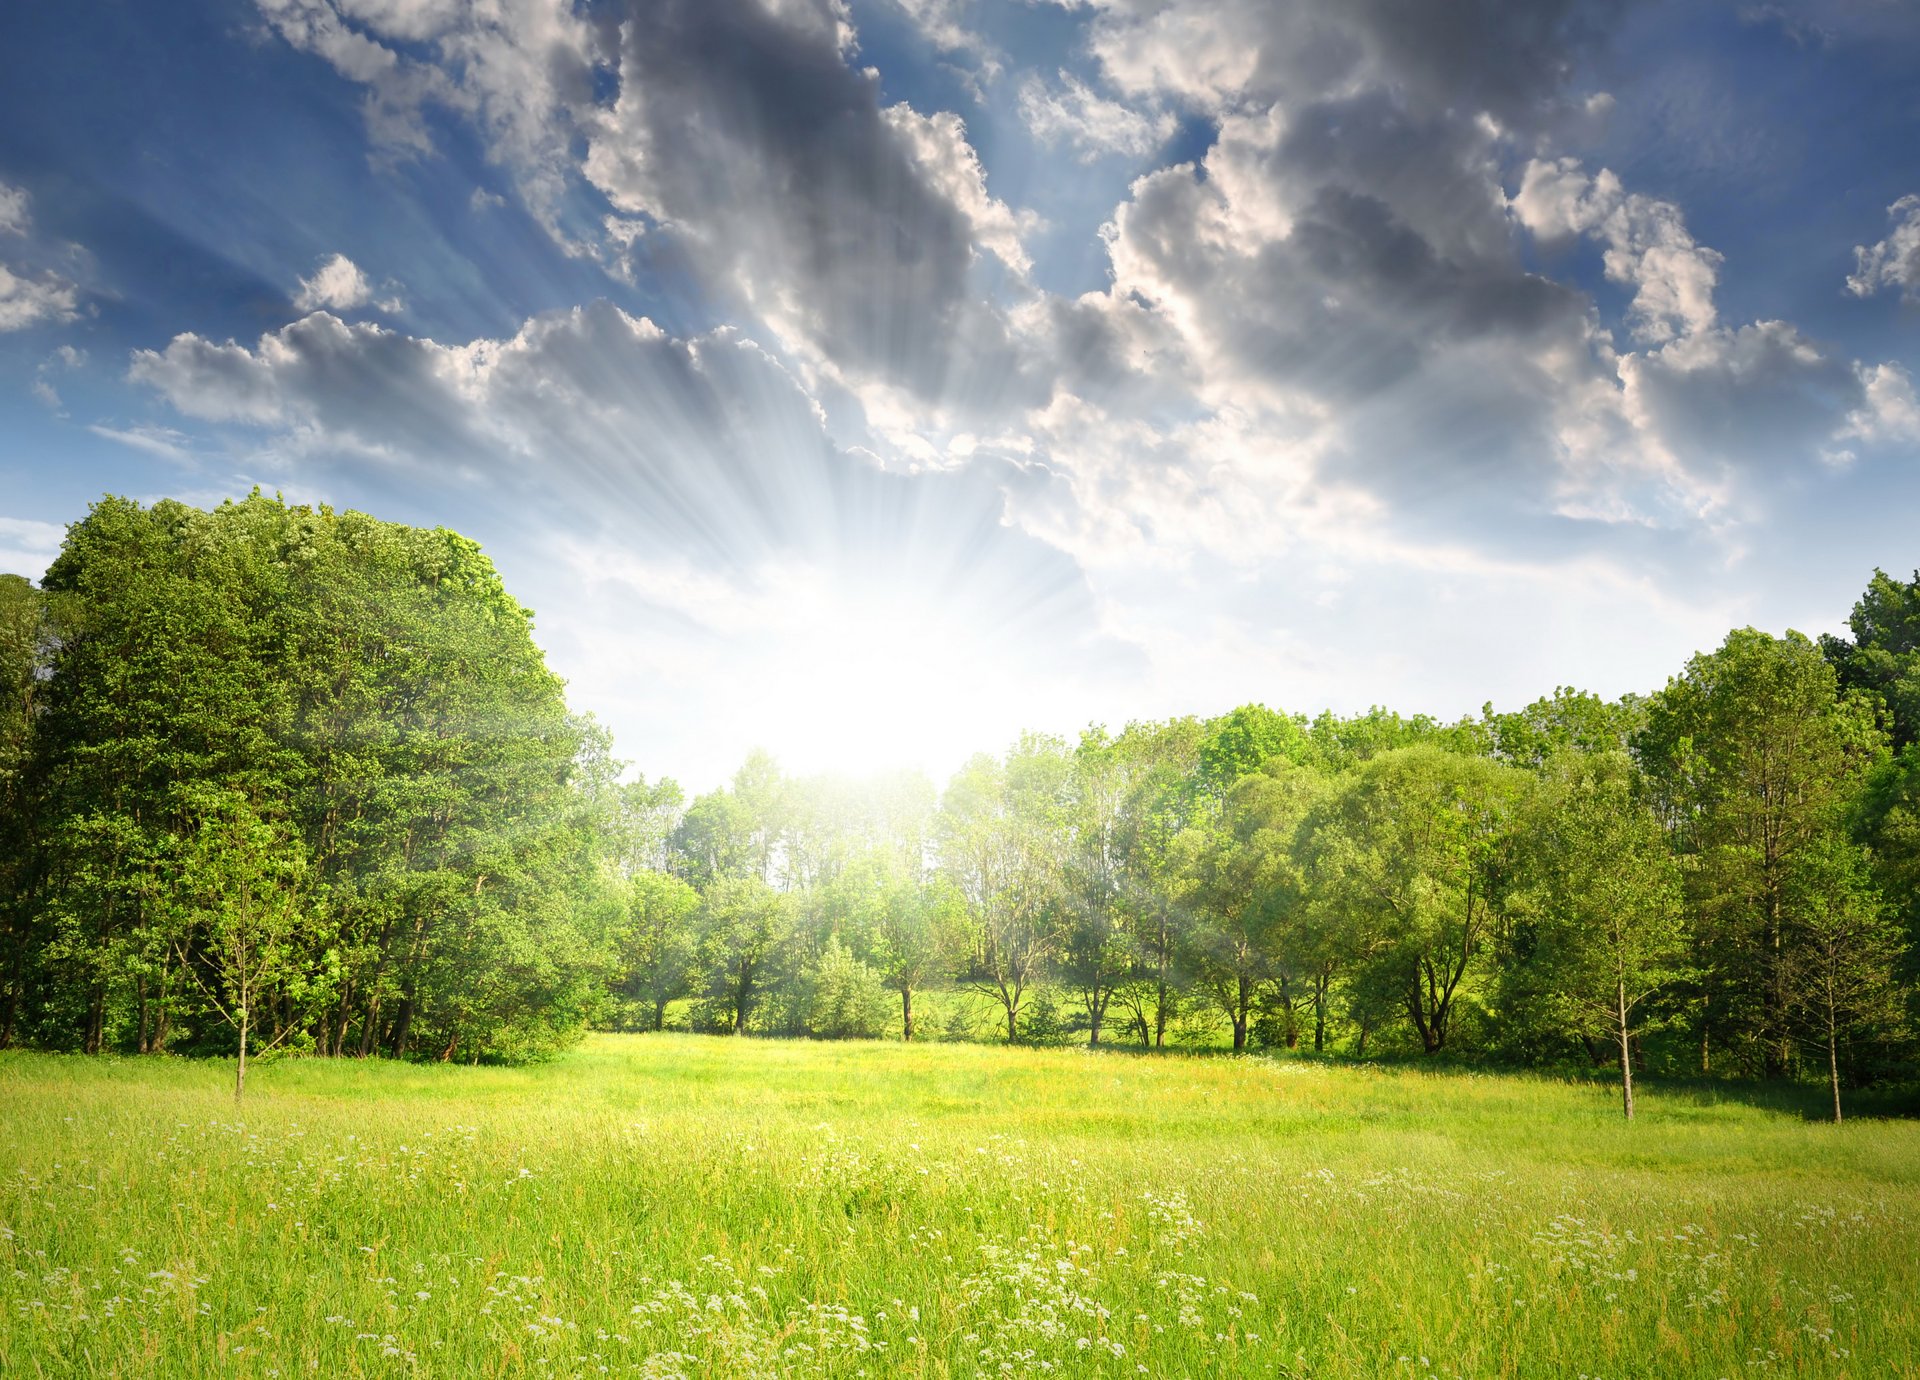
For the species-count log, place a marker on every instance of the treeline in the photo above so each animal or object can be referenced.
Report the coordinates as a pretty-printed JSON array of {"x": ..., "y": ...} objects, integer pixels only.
[
  {"x": 302, "y": 777},
  {"x": 1720, "y": 878},
  {"x": 287, "y": 775}
]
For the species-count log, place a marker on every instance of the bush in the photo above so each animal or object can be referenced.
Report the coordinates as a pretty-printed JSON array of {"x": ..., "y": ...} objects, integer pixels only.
[{"x": 848, "y": 1001}]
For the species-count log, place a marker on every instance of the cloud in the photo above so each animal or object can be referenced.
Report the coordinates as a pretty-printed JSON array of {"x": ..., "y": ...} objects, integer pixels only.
[
  {"x": 13, "y": 210},
  {"x": 1073, "y": 113},
  {"x": 1647, "y": 244},
  {"x": 161, "y": 442},
  {"x": 516, "y": 71},
  {"x": 678, "y": 507},
  {"x": 1509, "y": 61},
  {"x": 738, "y": 130},
  {"x": 942, "y": 22},
  {"x": 1894, "y": 263},
  {"x": 339, "y": 285},
  {"x": 28, "y": 547},
  {"x": 28, "y": 299},
  {"x": 1889, "y": 411}
]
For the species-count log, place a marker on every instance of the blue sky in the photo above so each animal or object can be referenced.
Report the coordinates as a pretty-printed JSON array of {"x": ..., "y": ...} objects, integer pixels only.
[{"x": 869, "y": 381}]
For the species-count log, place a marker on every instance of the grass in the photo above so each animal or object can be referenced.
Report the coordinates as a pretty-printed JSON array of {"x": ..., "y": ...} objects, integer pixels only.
[{"x": 677, "y": 1205}]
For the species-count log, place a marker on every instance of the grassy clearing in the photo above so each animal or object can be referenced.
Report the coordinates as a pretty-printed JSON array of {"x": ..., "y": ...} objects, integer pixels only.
[{"x": 669, "y": 1205}]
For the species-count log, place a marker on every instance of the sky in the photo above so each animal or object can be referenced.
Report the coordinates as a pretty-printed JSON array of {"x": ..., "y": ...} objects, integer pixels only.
[{"x": 870, "y": 380}]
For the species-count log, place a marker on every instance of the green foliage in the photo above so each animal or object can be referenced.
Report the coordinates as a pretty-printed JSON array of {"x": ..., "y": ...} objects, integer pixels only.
[
  {"x": 847, "y": 999},
  {"x": 1755, "y": 756},
  {"x": 374, "y": 691},
  {"x": 1883, "y": 655},
  {"x": 213, "y": 722}
]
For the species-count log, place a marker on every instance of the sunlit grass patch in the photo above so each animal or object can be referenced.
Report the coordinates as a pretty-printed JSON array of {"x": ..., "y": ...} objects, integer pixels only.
[{"x": 703, "y": 1207}]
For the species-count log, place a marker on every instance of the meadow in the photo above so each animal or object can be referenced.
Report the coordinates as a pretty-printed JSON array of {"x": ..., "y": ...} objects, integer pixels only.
[{"x": 669, "y": 1206}]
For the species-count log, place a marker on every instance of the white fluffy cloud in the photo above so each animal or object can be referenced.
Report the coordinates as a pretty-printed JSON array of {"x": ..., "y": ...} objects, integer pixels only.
[
  {"x": 1071, "y": 112},
  {"x": 27, "y": 546},
  {"x": 1340, "y": 365},
  {"x": 13, "y": 210},
  {"x": 338, "y": 284},
  {"x": 28, "y": 299},
  {"x": 1894, "y": 263},
  {"x": 1647, "y": 244}
]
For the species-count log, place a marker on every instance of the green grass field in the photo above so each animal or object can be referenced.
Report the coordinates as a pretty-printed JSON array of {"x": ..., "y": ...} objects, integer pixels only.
[{"x": 675, "y": 1205}]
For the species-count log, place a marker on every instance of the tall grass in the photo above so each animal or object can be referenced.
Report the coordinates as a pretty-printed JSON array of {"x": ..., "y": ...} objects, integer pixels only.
[{"x": 665, "y": 1205}]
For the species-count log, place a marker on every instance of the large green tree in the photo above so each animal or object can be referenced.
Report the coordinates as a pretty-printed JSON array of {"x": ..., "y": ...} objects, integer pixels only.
[
  {"x": 1755, "y": 754},
  {"x": 1605, "y": 932}
]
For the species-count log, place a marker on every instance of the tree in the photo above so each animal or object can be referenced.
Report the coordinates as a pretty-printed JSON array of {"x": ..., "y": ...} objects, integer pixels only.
[
  {"x": 1096, "y": 951},
  {"x": 1608, "y": 935},
  {"x": 1842, "y": 955},
  {"x": 741, "y": 930},
  {"x": 1754, "y": 755},
  {"x": 1165, "y": 797},
  {"x": 1002, "y": 835},
  {"x": 24, "y": 650},
  {"x": 1568, "y": 721},
  {"x": 846, "y": 999},
  {"x": 1247, "y": 894},
  {"x": 1410, "y": 851},
  {"x": 240, "y": 890},
  {"x": 655, "y": 955},
  {"x": 912, "y": 932},
  {"x": 1883, "y": 655}
]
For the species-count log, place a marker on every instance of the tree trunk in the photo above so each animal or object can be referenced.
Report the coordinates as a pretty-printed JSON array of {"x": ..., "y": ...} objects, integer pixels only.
[
  {"x": 140, "y": 994},
  {"x": 96, "y": 1018},
  {"x": 402, "y": 1025},
  {"x": 453, "y": 1043},
  {"x": 1833, "y": 1061},
  {"x": 10, "y": 1021},
  {"x": 1626, "y": 1051},
  {"x": 659, "y": 1014},
  {"x": 906, "y": 1013},
  {"x": 1706, "y": 1052},
  {"x": 1321, "y": 984},
  {"x": 1013, "y": 1032},
  {"x": 240, "y": 1069},
  {"x": 370, "y": 1025}
]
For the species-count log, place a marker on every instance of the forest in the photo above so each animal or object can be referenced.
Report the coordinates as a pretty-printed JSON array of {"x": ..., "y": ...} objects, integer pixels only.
[{"x": 283, "y": 780}]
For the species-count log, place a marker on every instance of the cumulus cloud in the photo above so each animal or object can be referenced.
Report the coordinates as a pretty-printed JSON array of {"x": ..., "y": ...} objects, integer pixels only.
[
  {"x": 1510, "y": 61},
  {"x": 1889, "y": 410},
  {"x": 1647, "y": 244},
  {"x": 13, "y": 210},
  {"x": 1894, "y": 263},
  {"x": 29, "y": 299},
  {"x": 338, "y": 284},
  {"x": 853, "y": 229},
  {"x": 1071, "y": 112},
  {"x": 1327, "y": 355}
]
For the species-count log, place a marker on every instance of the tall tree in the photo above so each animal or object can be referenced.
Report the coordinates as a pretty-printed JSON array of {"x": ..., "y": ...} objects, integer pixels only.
[
  {"x": 1842, "y": 955},
  {"x": 1755, "y": 754},
  {"x": 1883, "y": 655},
  {"x": 1608, "y": 935},
  {"x": 1002, "y": 836},
  {"x": 239, "y": 888},
  {"x": 1411, "y": 851},
  {"x": 742, "y": 926},
  {"x": 654, "y": 956}
]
